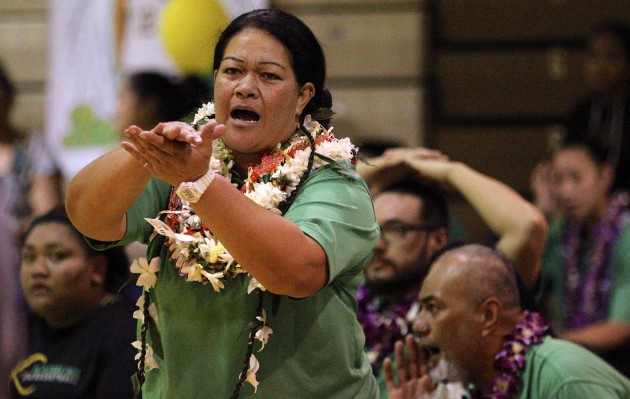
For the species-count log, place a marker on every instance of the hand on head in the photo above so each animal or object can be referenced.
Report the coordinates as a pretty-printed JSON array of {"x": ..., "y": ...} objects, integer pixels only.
[
  {"x": 398, "y": 164},
  {"x": 173, "y": 151}
]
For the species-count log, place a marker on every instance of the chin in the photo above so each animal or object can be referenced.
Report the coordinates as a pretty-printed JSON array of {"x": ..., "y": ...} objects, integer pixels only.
[
  {"x": 442, "y": 369},
  {"x": 379, "y": 276}
]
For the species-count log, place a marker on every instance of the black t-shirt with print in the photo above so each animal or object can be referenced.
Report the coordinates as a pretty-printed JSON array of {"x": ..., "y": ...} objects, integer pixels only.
[{"x": 92, "y": 360}]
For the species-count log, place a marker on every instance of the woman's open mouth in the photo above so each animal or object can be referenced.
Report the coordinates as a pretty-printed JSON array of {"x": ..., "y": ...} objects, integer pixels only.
[{"x": 245, "y": 115}]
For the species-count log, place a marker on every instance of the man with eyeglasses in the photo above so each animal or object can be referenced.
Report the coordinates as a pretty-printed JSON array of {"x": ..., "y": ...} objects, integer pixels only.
[{"x": 413, "y": 217}]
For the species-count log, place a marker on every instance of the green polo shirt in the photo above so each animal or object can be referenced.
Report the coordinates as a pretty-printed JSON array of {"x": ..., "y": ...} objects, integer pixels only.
[{"x": 316, "y": 349}]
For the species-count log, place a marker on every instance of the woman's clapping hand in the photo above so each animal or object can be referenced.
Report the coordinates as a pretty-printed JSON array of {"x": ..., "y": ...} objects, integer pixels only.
[{"x": 173, "y": 151}]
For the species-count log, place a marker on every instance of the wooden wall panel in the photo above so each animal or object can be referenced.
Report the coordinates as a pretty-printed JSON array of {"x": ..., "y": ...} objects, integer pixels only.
[
  {"x": 28, "y": 112},
  {"x": 23, "y": 49},
  {"x": 295, "y": 5},
  {"x": 376, "y": 114},
  {"x": 23, "y": 5},
  {"x": 506, "y": 153},
  {"x": 382, "y": 45},
  {"x": 462, "y": 21},
  {"x": 508, "y": 83}
]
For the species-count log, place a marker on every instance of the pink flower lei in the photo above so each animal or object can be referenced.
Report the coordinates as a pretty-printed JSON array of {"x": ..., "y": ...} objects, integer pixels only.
[
  {"x": 511, "y": 358},
  {"x": 382, "y": 323},
  {"x": 587, "y": 295}
]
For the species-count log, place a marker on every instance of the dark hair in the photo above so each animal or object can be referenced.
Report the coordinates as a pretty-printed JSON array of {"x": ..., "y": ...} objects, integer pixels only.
[
  {"x": 176, "y": 97},
  {"x": 615, "y": 28},
  {"x": 7, "y": 94},
  {"x": 306, "y": 54},
  {"x": 434, "y": 211},
  {"x": 6, "y": 84},
  {"x": 593, "y": 148},
  {"x": 117, "y": 260}
]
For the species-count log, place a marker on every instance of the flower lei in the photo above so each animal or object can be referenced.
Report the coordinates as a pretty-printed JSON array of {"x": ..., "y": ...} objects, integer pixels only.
[
  {"x": 511, "y": 358},
  {"x": 200, "y": 257},
  {"x": 586, "y": 296},
  {"x": 384, "y": 323}
]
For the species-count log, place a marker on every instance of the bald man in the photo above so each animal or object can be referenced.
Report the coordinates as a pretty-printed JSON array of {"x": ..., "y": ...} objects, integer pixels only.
[{"x": 471, "y": 313}]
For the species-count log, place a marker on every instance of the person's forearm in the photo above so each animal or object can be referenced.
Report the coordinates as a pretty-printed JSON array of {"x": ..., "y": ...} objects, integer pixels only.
[
  {"x": 600, "y": 337},
  {"x": 44, "y": 194},
  {"x": 269, "y": 247},
  {"x": 100, "y": 194},
  {"x": 521, "y": 228}
]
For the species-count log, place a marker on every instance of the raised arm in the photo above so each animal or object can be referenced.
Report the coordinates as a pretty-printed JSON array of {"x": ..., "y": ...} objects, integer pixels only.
[
  {"x": 521, "y": 228},
  {"x": 270, "y": 247},
  {"x": 100, "y": 194}
]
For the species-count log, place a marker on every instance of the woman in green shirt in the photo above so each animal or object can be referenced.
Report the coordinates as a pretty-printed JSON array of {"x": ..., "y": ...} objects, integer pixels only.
[{"x": 260, "y": 231}]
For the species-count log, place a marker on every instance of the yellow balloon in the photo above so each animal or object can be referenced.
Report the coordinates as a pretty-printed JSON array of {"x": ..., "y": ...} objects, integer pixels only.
[{"x": 189, "y": 31}]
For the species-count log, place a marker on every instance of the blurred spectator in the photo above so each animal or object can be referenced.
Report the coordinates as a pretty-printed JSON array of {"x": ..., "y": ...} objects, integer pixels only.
[
  {"x": 541, "y": 190},
  {"x": 80, "y": 332},
  {"x": 148, "y": 98},
  {"x": 471, "y": 312},
  {"x": 29, "y": 186},
  {"x": 413, "y": 217},
  {"x": 585, "y": 279},
  {"x": 605, "y": 114}
]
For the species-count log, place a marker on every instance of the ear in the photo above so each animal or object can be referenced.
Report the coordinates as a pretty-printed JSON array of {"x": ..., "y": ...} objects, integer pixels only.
[
  {"x": 98, "y": 270},
  {"x": 608, "y": 176},
  {"x": 304, "y": 96},
  {"x": 438, "y": 238},
  {"x": 490, "y": 312}
]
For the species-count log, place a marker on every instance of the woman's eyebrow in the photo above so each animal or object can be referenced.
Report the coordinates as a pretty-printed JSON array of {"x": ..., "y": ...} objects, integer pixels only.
[
  {"x": 229, "y": 57},
  {"x": 272, "y": 63}
]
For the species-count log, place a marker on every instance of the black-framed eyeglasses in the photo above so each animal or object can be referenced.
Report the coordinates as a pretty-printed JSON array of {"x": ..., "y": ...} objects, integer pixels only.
[{"x": 397, "y": 230}]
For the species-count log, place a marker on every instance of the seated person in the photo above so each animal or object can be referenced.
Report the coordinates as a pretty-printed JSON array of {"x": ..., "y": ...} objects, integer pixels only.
[
  {"x": 80, "y": 331},
  {"x": 585, "y": 279},
  {"x": 471, "y": 313},
  {"x": 604, "y": 114},
  {"x": 413, "y": 216}
]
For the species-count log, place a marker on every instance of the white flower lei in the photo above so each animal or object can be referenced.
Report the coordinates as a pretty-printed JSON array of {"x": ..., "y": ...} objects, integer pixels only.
[{"x": 198, "y": 254}]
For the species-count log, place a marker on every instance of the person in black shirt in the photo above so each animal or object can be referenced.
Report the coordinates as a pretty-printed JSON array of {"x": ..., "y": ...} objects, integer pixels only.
[{"x": 80, "y": 331}]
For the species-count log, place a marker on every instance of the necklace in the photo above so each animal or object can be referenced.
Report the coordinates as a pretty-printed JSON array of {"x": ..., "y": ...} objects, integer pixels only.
[
  {"x": 587, "y": 292},
  {"x": 200, "y": 257},
  {"x": 383, "y": 323},
  {"x": 195, "y": 251},
  {"x": 511, "y": 358}
]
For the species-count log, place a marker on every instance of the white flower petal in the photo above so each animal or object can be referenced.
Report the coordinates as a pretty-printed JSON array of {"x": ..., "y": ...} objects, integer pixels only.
[{"x": 251, "y": 373}]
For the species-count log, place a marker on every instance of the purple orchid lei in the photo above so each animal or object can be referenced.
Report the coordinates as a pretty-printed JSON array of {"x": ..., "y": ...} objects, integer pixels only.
[
  {"x": 586, "y": 296},
  {"x": 511, "y": 358},
  {"x": 383, "y": 323}
]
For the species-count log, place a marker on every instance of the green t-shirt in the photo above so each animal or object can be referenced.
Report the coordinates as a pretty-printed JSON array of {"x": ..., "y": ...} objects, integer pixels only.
[
  {"x": 558, "y": 369},
  {"x": 316, "y": 349},
  {"x": 552, "y": 284}
]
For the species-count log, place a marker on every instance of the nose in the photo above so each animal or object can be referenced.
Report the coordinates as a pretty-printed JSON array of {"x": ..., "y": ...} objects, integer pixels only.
[
  {"x": 381, "y": 245},
  {"x": 38, "y": 267},
  {"x": 246, "y": 86},
  {"x": 422, "y": 330},
  {"x": 421, "y": 327},
  {"x": 564, "y": 190}
]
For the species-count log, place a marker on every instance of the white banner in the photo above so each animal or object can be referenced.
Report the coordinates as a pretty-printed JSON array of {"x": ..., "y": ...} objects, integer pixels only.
[{"x": 93, "y": 42}]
